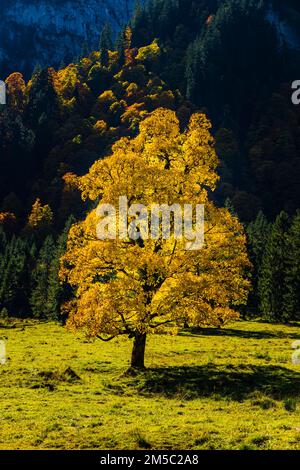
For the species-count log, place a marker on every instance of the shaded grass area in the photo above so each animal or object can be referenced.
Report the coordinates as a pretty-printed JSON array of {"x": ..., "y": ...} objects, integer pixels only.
[
  {"x": 234, "y": 388},
  {"x": 246, "y": 334},
  {"x": 234, "y": 382}
]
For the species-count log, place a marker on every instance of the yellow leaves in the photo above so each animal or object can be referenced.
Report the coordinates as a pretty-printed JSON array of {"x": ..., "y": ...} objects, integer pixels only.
[
  {"x": 103, "y": 103},
  {"x": 68, "y": 79},
  {"x": 100, "y": 126},
  {"x": 162, "y": 123},
  {"x": 109, "y": 308},
  {"x": 165, "y": 99},
  {"x": 123, "y": 169},
  {"x": 16, "y": 88},
  {"x": 107, "y": 97},
  {"x": 199, "y": 154},
  {"x": 125, "y": 286},
  {"x": 5, "y": 216},
  {"x": 200, "y": 124},
  {"x": 128, "y": 37},
  {"x": 40, "y": 215},
  {"x": 149, "y": 53},
  {"x": 131, "y": 90},
  {"x": 85, "y": 64}
]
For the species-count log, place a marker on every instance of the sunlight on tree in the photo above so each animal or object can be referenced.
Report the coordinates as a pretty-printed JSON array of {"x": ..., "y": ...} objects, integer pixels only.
[{"x": 134, "y": 288}]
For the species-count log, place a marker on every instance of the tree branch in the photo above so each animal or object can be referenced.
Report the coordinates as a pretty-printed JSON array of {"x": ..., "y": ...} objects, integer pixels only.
[{"x": 105, "y": 339}]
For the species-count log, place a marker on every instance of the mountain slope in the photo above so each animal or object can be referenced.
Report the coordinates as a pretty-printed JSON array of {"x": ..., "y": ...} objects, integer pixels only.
[
  {"x": 286, "y": 19},
  {"x": 50, "y": 31}
]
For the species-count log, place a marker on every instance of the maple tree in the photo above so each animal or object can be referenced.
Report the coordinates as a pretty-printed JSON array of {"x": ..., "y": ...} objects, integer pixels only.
[
  {"x": 39, "y": 220},
  {"x": 39, "y": 214},
  {"x": 136, "y": 287},
  {"x": 59, "y": 121},
  {"x": 16, "y": 88}
]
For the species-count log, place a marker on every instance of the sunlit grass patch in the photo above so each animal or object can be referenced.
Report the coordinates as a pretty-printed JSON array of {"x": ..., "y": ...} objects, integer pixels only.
[{"x": 234, "y": 388}]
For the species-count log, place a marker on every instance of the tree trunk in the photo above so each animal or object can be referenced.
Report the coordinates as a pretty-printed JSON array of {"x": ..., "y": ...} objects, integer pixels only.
[{"x": 138, "y": 351}]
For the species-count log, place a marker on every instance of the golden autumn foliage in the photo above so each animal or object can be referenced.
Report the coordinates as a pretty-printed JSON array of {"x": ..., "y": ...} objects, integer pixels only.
[
  {"x": 127, "y": 287},
  {"x": 127, "y": 37},
  {"x": 70, "y": 181},
  {"x": 100, "y": 126},
  {"x": 132, "y": 116},
  {"x": 69, "y": 79},
  {"x": 149, "y": 53},
  {"x": 16, "y": 88},
  {"x": 40, "y": 216}
]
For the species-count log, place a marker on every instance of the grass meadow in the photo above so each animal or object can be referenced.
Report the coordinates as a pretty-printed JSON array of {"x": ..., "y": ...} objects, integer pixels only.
[{"x": 234, "y": 388}]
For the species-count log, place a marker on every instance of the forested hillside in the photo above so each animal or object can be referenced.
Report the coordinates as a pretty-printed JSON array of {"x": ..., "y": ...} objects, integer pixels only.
[
  {"x": 235, "y": 61},
  {"x": 54, "y": 127}
]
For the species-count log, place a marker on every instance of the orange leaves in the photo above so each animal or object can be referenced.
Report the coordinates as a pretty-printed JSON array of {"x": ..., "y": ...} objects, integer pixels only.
[
  {"x": 16, "y": 89},
  {"x": 210, "y": 19},
  {"x": 71, "y": 181},
  {"x": 133, "y": 115}
]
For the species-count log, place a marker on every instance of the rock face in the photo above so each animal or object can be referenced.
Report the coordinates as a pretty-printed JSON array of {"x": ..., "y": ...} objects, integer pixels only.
[
  {"x": 50, "y": 31},
  {"x": 286, "y": 19}
]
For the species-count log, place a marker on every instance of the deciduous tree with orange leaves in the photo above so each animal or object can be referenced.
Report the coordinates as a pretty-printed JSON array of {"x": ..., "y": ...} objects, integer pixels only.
[{"x": 139, "y": 287}]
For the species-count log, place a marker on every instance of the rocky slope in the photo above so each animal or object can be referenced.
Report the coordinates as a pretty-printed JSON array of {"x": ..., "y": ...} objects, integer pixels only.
[
  {"x": 51, "y": 31},
  {"x": 286, "y": 18}
]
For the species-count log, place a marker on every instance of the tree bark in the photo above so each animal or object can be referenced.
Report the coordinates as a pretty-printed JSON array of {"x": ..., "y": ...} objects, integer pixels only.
[{"x": 138, "y": 351}]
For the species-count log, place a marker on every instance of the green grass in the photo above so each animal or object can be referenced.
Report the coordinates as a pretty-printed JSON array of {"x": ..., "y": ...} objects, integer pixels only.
[{"x": 211, "y": 389}]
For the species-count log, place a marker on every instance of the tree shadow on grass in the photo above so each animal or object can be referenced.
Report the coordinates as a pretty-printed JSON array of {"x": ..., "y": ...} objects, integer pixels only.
[
  {"x": 241, "y": 333},
  {"x": 234, "y": 382}
]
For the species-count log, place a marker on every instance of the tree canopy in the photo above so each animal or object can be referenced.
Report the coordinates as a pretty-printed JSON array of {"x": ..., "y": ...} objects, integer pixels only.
[{"x": 136, "y": 287}]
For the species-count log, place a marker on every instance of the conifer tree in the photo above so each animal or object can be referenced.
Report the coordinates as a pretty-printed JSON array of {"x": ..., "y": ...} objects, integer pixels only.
[
  {"x": 58, "y": 292},
  {"x": 166, "y": 14},
  {"x": 120, "y": 47},
  {"x": 291, "y": 300},
  {"x": 105, "y": 45},
  {"x": 40, "y": 280},
  {"x": 43, "y": 102},
  {"x": 37, "y": 69},
  {"x": 271, "y": 283},
  {"x": 258, "y": 233},
  {"x": 3, "y": 241},
  {"x": 229, "y": 206},
  {"x": 139, "y": 24},
  {"x": 85, "y": 50},
  {"x": 191, "y": 70},
  {"x": 14, "y": 274}
]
